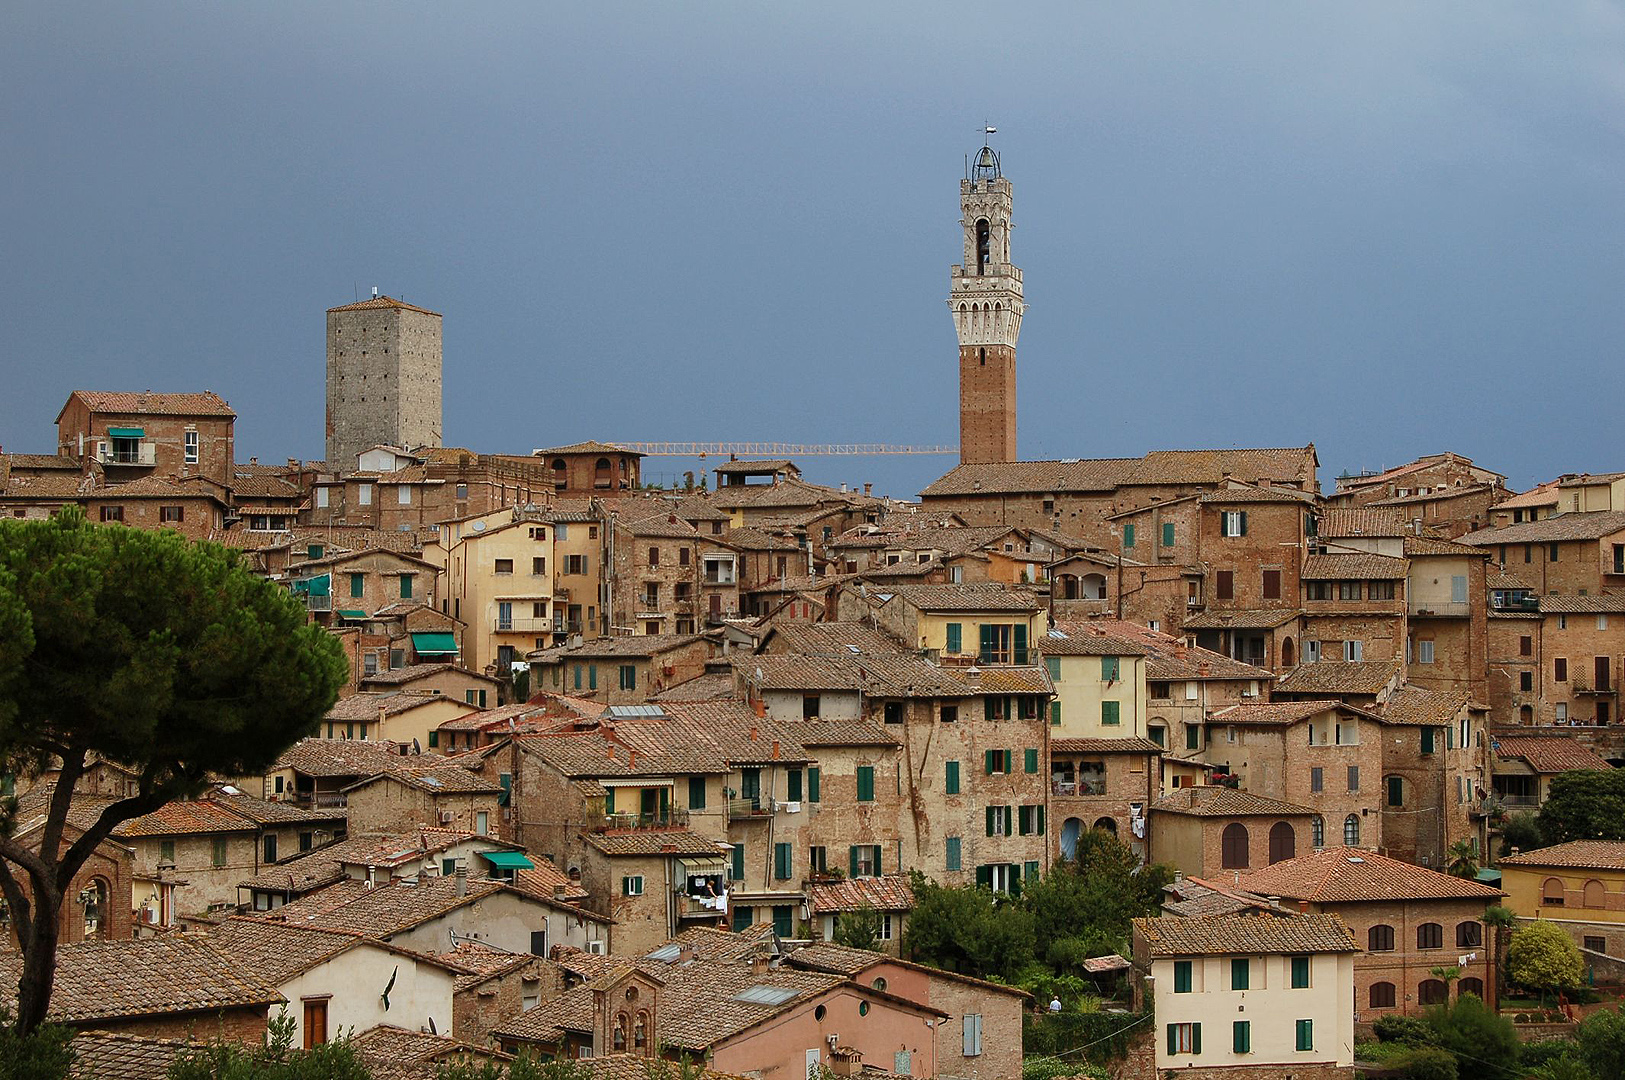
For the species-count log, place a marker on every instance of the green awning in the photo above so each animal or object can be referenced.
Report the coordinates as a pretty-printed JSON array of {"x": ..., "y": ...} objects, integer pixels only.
[
  {"x": 434, "y": 644},
  {"x": 508, "y": 860},
  {"x": 316, "y": 586},
  {"x": 351, "y": 613},
  {"x": 1489, "y": 876},
  {"x": 126, "y": 432}
]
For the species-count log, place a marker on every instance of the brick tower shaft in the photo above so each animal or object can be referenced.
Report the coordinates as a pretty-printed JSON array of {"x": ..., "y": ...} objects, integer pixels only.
[{"x": 985, "y": 301}]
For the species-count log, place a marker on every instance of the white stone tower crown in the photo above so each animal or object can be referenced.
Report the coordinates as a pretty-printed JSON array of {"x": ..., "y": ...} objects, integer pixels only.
[{"x": 985, "y": 295}]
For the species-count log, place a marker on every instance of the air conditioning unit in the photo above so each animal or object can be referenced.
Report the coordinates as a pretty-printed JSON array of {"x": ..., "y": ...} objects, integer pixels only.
[
  {"x": 596, "y": 948},
  {"x": 446, "y": 817}
]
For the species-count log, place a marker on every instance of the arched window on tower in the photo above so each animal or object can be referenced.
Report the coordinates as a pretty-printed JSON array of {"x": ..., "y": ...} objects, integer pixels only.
[{"x": 983, "y": 250}]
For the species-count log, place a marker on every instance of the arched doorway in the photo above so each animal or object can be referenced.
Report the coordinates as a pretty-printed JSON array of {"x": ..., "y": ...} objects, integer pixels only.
[
  {"x": 1107, "y": 824},
  {"x": 1071, "y": 829},
  {"x": 1094, "y": 587},
  {"x": 1287, "y": 657}
]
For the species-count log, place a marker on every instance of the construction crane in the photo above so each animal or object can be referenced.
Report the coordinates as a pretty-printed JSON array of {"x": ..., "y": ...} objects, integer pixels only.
[{"x": 778, "y": 449}]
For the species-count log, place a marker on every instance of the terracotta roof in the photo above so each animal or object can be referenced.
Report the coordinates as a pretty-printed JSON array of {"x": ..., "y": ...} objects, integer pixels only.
[
  {"x": 1350, "y": 875},
  {"x": 1427, "y": 545},
  {"x": 1195, "y": 897},
  {"x": 1225, "y": 802},
  {"x": 1587, "y": 479},
  {"x": 791, "y": 492},
  {"x": 1599, "y": 603},
  {"x": 1338, "y": 522},
  {"x": 1223, "y": 935},
  {"x": 396, "y": 676},
  {"x": 1241, "y": 619},
  {"x": 1085, "y": 638},
  {"x": 995, "y": 478},
  {"x": 1414, "y": 705},
  {"x": 394, "y": 1053},
  {"x": 1272, "y": 712},
  {"x": 1249, "y": 466},
  {"x": 1340, "y": 677},
  {"x": 277, "y": 951},
  {"x": 366, "y": 706},
  {"x": 1540, "y": 495},
  {"x": 672, "y": 842},
  {"x": 263, "y": 487},
  {"x": 217, "y": 813},
  {"x": 588, "y": 447},
  {"x": 390, "y": 907},
  {"x": 447, "y": 780},
  {"x": 980, "y": 596},
  {"x": 1578, "y": 854},
  {"x": 113, "y": 1055},
  {"x": 836, "y": 959},
  {"x": 350, "y": 757},
  {"x": 166, "y": 975},
  {"x": 640, "y": 645},
  {"x": 1548, "y": 752},
  {"x": 1353, "y": 567},
  {"x": 1436, "y": 495},
  {"x": 1104, "y": 746},
  {"x": 1249, "y": 494},
  {"x": 815, "y": 733},
  {"x": 1015, "y": 680},
  {"x": 1502, "y": 579},
  {"x": 41, "y": 461},
  {"x": 662, "y": 526},
  {"x": 1167, "y": 657},
  {"x": 207, "y": 403},
  {"x": 712, "y": 686},
  {"x": 827, "y": 637},
  {"x": 889, "y": 675},
  {"x": 379, "y": 303},
  {"x": 887, "y": 893},
  {"x": 1572, "y": 526},
  {"x": 383, "y": 850}
]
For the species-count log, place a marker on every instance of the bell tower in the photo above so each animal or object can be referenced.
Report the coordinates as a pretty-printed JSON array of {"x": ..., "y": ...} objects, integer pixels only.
[{"x": 985, "y": 300}]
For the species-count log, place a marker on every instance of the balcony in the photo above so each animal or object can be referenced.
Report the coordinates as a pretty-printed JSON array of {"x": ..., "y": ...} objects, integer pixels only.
[
  {"x": 1440, "y": 609},
  {"x": 1517, "y": 802},
  {"x": 1586, "y": 684},
  {"x": 1079, "y": 787},
  {"x": 318, "y": 603},
  {"x": 701, "y": 907},
  {"x": 128, "y": 452},
  {"x": 320, "y": 800},
  {"x": 567, "y": 626},
  {"x": 662, "y": 819},
  {"x": 522, "y": 624},
  {"x": 747, "y": 809}
]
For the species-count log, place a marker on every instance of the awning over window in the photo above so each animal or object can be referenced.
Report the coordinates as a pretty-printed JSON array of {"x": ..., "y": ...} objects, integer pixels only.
[
  {"x": 508, "y": 860},
  {"x": 703, "y": 867},
  {"x": 435, "y": 644},
  {"x": 1489, "y": 876},
  {"x": 316, "y": 586},
  {"x": 351, "y": 613},
  {"x": 126, "y": 432}
]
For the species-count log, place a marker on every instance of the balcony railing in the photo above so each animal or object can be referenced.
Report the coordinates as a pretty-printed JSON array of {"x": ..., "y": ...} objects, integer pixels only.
[
  {"x": 749, "y": 808},
  {"x": 145, "y": 453},
  {"x": 1583, "y": 684},
  {"x": 318, "y": 603},
  {"x": 567, "y": 626},
  {"x": 659, "y": 819},
  {"x": 522, "y": 624},
  {"x": 1452, "y": 608},
  {"x": 320, "y": 800},
  {"x": 1518, "y": 802},
  {"x": 690, "y": 907}
]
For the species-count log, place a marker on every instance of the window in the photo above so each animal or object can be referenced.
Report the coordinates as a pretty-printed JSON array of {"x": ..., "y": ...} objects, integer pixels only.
[
  {"x": 482, "y": 823},
  {"x": 363, "y": 494},
  {"x": 1380, "y": 590},
  {"x": 1351, "y": 831},
  {"x": 1470, "y": 934},
  {"x": 218, "y": 855},
  {"x": 998, "y": 821},
  {"x": 632, "y": 885},
  {"x": 1353, "y": 650},
  {"x": 462, "y": 491},
  {"x": 1167, "y": 534},
  {"x": 173, "y": 514},
  {"x": 1306, "y": 1034},
  {"x": 1128, "y": 534},
  {"x": 1348, "y": 590},
  {"x": 954, "y": 856},
  {"x": 736, "y": 866},
  {"x": 1109, "y": 668},
  {"x": 893, "y": 712},
  {"x": 1283, "y": 842},
  {"x": 1317, "y": 778},
  {"x": 321, "y": 498},
  {"x": 682, "y": 556},
  {"x": 1110, "y": 713},
  {"x": 1055, "y": 719},
  {"x": 1300, "y": 972},
  {"x": 654, "y": 556},
  {"x": 1354, "y": 778},
  {"x": 812, "y": 783},
  {"x": 1560, "y": 669},
  {"x": 1184, "y": 1038},
  {"x": 956, "y": 639},
  {"x": 995, "y": 762},
  {"x": 864, "y": 860},
  {"x": 810, "y": 704},
  {"x": 950, "y": 714},
  {"x": 1318, "y": 590},
  {"x": 1233, "y": 846},
  {"x": 191, "y": 447},
  {"x": 315, "y": 1022},
  {"x": 1430, "y": 935},
  {"x": 358, "y": 585},
  {"x": 972, "y": 1028},
  {"x": 1433, "y": 992},
  {"x": 1224, "y": 585},
  {"x": 1396, "y": 791},
  {"x": 112, "y": 513},
  {"x": 1552, "y": 892},
  {"x": 1317, "y": 832},
  {"x": 1193, "y": 737},
  {"x": 1382, "y": 995},
  {"x": 1233, "y": 523},
  {"x": 866, "y": 783},
  {"x": 1241, "y": 1037},
  {"x": 1030, "y": 820},
  {"x": 474, "y": 697},
  {"x": 1030, "y": 759},
  {"x": 1595, "y": 944},
  {"x": 1526, "y": 681},
  {"x": 1240, "y": 973},
  {"x": 1182, "y": 976},
  {"x": 782, "y": 859},
  {"x": 1272, "y": 584},
  {"x": 1380, "y": 938},
  {"x": 1424, "y": 651},
  {"x": 629, "y": 677},
  {"x": 269, "y": 847},
  {"x": 950, "y": 784}
]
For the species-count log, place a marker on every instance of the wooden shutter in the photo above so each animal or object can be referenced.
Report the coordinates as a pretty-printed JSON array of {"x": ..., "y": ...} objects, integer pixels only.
[
  {"x": 852, "y": 859},
  {"x": 985, "y": 655},
  {"x": 1167, "y": 534},
  {"x": 954, "y": 637},
  {"x": 1032, "y": 759},
  {"x": 987, "y": 763},
  {"x": 990, "y": 820},
  {"x": 812, "y": 783},
  {"x": 951, "y": 781},
  {"x": 1019, "y": 636},
  {"x": 1196, "y": 1029}
]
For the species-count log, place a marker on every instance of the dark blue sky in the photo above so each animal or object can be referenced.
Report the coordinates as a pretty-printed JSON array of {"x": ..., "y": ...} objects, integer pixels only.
[{"x": 1388, "y": 228}]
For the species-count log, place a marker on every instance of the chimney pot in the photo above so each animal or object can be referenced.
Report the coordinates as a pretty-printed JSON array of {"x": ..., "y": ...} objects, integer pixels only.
[
  {"x": 462, "y": 880},
  {"x": 753, "y": 733},
  {"x": 775, "y": 748},
  {"x": 1303, "y": 906}
]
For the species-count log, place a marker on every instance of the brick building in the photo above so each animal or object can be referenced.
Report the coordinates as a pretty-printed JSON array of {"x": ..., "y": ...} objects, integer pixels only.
[
  {"x": 1205, "y": 831},
  {"x": 383, "y": 378},
  {"x": 132, "y": 436},
  {"x": 986, "y": 305}
]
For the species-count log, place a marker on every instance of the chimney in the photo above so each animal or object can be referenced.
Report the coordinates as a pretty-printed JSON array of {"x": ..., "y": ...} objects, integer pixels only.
[
  {"x": 775, "y": 748},
  {"x": 846, "y": 1061},
  {"x": 867, "y": 488},
  {"x": 753, "y": 733},
  {"x": 843, "y": 487},
  {"x": 1303, "y": 906},
  {"x": 631, "y": 759},
  {"x": 558, "y": 892},
  {"x": 760, "y": 963},
  {"x": 462, "y": 880},
  {"x": 1275, "y": 902}
]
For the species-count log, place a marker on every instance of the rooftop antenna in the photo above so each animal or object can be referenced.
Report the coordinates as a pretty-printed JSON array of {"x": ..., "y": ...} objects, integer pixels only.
[{"x": 375, "y": 292}]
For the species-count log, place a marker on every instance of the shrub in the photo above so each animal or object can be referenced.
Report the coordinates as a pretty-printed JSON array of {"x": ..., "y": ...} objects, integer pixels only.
[
  {"x": 1412, "y": 1030},
  {"x": 1473, "y": 1031},
  {"x": 1543, "y": 957},
  {"x": 1425, "y": 1063}
]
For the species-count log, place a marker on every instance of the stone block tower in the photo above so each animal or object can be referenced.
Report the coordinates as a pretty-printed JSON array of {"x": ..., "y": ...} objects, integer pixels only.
[
  {"x": 383, "y": 378},
  {"x": 986, "y": 304}
]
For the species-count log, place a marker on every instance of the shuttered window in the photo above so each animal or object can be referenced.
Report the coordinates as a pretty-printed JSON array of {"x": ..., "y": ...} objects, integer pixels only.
[
  {"x": 866, "y": 783},
  {"x": 950, "y": 785},
  {"x": 955, "y": 639}
]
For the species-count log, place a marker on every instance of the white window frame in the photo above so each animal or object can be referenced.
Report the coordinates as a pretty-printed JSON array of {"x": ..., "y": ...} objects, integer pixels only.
[
  {"x": 1424, "y": 651},
  {"x": 1311, "y": 652},
  {"x": 403, "y": 494},
  {"x": 363, "y": 494},
  {"x": 191, "y": 447},
  {"x": 321, "y": 498},
  {"x": 1353, "y": 651},
  {"x": 632, "y": 885}
]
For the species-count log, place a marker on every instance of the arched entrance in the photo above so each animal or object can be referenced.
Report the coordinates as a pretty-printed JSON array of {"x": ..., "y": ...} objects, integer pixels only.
[{"x": 1071, "y": 829}]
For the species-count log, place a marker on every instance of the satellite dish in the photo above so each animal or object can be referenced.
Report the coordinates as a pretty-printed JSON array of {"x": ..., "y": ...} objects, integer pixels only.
[{"x": 479, "y": 526}]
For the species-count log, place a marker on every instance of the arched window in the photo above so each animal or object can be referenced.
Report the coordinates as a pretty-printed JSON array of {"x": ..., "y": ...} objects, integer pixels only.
[
  {"x": 1283, "y": 842},
  {"x": 1286, "y": 652},
  {"x": 1094, "y": 586},
  {"x": 1380, "y": 938},
  {"x": 880, "y": 984},
  {"x": 1430, "y": 935},
  {"x": 1108, "y": 824},
  {"x": 1069, "y": 586},
  {"x": 1351, "y": 831},
  {"x": 1551, "y": 892},
  {"x": 1433, "y": 992},
  {"x": 640, "y": 1032},
  {"x": 602, "y": 474},
  {"x": 1382, "y": 995},
  {"x": 1470, "y": 986},
  {"x": 619, "y": 1036},
  {"x": 1071, "y": 828},
  {"x": 97, "y": 917},
  {"x": 983, "y": 252},
  {"x": 1233, "y": 846},
  {"x": 1317, "y": 832},
  {"x": 1469, "y": 934},
  {"x": 1595, "y": 894}
]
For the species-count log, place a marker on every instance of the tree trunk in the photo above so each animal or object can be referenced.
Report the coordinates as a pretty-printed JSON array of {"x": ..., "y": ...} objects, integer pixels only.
[{"x": 39, "y": 958}]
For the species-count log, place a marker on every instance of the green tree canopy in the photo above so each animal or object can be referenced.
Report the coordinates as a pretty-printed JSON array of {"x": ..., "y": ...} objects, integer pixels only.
[
  {"x": 1082, "y": 907},
  {"x": 1584, "y": 806},
  {"x": 967, "y": 930},
  {"x": 1543, "y": 957},
  {"x": 858, "y": 929},
  {"x": 1472, "y": 1030},
  {"x": 164, "y": 656}
]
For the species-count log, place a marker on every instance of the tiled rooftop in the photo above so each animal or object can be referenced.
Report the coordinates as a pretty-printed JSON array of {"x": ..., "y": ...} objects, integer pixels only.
[
  {"x": 1223, "y": 935},
  {"x": 206, "y": 403},
  {"x": 1340, "y": 677},
  {"x": 1226, "y": 802},
  {"x": 1548, "y": 752},
  {"x": 1351, "y": 875},
  {"x": 1576, "y": 854},
  {"x": 890, "y": 892}
]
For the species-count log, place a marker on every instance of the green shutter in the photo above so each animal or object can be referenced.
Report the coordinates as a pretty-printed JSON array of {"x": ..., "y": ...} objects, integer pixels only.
[
  {"x": 696, "y": 793},
  {"x": 1019, "y": 636},
  {"x": 1396, "y": 791},
  {"x": 1241, "y": 1039},
  {"x": 1128, "y": 534},
  {"x": 878, "y": 870},
  {"x": 1055, "y": 713},
  {"x": 866, "y": 783},
  {"x": 984, "y": 875},
  {"x": 1300, "y": 972},
  {"x": 1244, "y": 523},
  {"x": 990, "y": 810},
  {"x": 1306, "y": 1034},
  {"x": 609, "y": 800},
  {"x": 954, "y": 854},
  {"x": 434, "y": 738},
  {"x": 1450, "y": 737},
  {"x": 592, "y": 676},
  {"x": 1052, "y": 664},
  {"x": 1040, "y": 809},
  {"x": 852, "y": 860},
  {"x": 1167, "y": 534},
  {"x": 1029, "y": 871},
  {"x": 1024, "y": 820},
  {"x": 951, "y": 781},
  {"x": 793, "y": 786},
  {"x": 739, "y": 862},
  {"x": 1182, "y": 976},
  {"x": 1032, "y": 759},
  {"x": 986, "y": 653},
  {"x": 506, "y": 780},
  {"x": 1196, "y": 1038},
  {"x": 358, "y": 585},
  {"x": 955, "y": 637},
  {"x": 987, "y": 763},
  {"x": 406, "y": 586},
  {"x": 1240, "y": 973},
  {"x": 1108, "y": 669},
  {"x": 1427, "y": 740},
  {"x": 1193, "y": 737},
  {"x": 812, "y": 783},
  {"x": 988, "y": 711},
  {"x": 1111, "y": 712},
  {"x": 1173, "y": 1039},
  {"x": 781, "y": 861}
]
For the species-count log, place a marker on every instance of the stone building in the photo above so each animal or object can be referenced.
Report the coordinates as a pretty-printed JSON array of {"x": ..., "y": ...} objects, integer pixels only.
[
  {"x": 986, "y": 305},
  {"x": 383, "y": 378},
  {"x": 133, "y": 436}
]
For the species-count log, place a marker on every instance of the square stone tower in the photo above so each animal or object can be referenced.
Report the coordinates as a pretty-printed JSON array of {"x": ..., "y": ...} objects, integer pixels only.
[
  {"x": 383, "y": 378},
  {"x": 985, "y": 301}
]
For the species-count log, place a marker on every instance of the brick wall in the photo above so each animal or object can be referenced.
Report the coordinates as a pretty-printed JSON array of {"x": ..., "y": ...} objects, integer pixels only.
[
  {"x": 987, "y": 403},
  {"x": 383, "y": 381},
  {"x": 244, "y": 1025}
]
